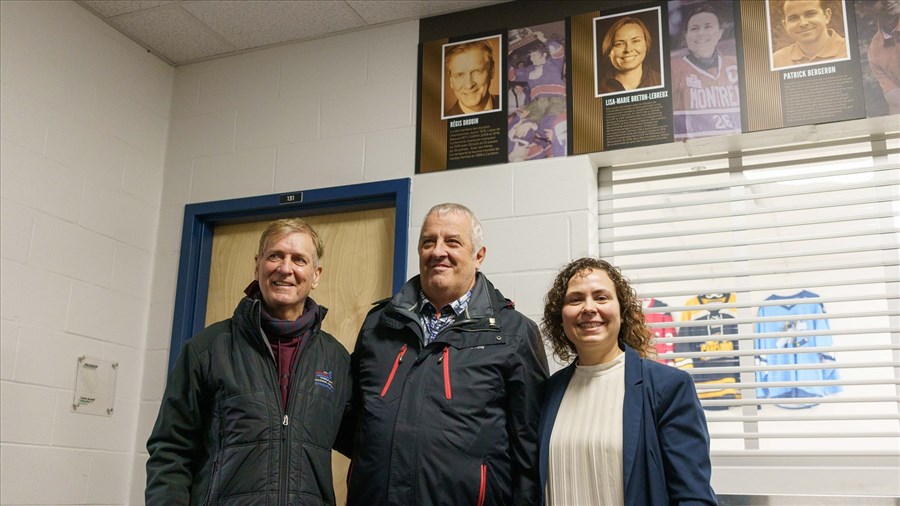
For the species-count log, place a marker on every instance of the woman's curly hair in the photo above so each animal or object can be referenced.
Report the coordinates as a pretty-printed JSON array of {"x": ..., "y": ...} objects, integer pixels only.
[{"x": 633, "y": 331}]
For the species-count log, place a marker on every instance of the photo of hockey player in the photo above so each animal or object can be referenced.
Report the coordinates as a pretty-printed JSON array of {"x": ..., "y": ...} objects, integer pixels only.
[
  {"x": 705, "y": 92},
  {"x": 806, "y": 32},
  {"x": 471, "y": 84},
  {"x": 537, "y": 68},
  {"x": 628, "y": 54},
  {"x": 878, "y": 23}
]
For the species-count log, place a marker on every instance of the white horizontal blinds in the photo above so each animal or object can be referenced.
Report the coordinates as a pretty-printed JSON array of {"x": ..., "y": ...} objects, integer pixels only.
[{"x": 773, "y": 277}]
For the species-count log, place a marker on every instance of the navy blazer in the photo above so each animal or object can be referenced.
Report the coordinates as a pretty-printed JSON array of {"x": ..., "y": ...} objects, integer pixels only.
[{"x": 665, "y": 456}]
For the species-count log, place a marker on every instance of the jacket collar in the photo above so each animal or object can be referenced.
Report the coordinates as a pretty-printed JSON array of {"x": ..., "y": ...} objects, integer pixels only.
[
  {"x": 247, "y": 314},
  {"x": 247, "y": 308},
  {"x": 403, "y": 308},
  {"x": 483, "y": 302}
]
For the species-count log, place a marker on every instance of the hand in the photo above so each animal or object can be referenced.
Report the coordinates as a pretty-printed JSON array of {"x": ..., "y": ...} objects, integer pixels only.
[{"x": 523, "y": 127}]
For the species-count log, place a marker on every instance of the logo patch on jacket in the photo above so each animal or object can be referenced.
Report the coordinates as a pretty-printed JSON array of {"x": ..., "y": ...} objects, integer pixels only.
[{"x": 325, "y": 379}]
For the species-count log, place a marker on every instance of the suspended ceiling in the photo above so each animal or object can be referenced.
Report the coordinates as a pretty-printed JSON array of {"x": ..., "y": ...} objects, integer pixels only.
[{"x": 187, "y": 31}]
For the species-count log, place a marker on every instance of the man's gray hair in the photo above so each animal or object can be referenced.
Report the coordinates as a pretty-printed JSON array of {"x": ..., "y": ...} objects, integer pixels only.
[
  {"x": 477, "y": 232},
  {"x": 286, "y": 226}
]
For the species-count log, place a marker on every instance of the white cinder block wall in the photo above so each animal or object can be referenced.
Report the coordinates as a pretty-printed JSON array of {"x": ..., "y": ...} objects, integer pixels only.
[
  {"x": 85, "y": 113},
  {"x": 86, "y": 270}
]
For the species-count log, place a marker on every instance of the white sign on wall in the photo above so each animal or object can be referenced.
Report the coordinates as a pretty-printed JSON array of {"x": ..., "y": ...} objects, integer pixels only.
[{"x": 95, "y": 386}]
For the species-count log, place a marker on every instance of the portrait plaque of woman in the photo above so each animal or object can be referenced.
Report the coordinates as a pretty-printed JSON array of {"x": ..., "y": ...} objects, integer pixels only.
[{"x": 628, "y": 52}]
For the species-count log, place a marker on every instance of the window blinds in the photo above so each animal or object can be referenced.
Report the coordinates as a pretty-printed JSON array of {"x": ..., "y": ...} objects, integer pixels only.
[{"x": 773, "y": 277}]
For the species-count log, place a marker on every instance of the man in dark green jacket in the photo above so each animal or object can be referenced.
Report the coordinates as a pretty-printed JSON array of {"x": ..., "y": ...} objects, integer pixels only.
[
  {"x": 253, "y": 403},
  {"x": 447, "y": 384}
]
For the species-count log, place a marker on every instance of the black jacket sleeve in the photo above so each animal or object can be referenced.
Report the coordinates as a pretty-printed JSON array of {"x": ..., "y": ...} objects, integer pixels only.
[
  {"x": 177, "y": 443},
  {"x": 526, "y": 383},
  {"x": 347, "y": 431}
]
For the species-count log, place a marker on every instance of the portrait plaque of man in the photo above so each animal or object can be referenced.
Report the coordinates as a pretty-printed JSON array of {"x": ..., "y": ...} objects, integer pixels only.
[
  {"x": 470, "y": 82},
  {"x": 806, "y": 32}
]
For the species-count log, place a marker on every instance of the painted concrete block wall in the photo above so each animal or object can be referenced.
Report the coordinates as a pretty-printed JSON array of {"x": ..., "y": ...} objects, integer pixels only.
[
  {"x": 85, "y": 114},
  {"x": 335, "y": 111}
]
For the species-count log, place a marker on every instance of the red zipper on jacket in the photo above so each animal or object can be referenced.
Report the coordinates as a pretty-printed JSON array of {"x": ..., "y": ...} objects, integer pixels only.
[
  {"x": 483, "y": 486},
  {"x": 393, "y": 370},
  {"x": 448, "y": 393}
]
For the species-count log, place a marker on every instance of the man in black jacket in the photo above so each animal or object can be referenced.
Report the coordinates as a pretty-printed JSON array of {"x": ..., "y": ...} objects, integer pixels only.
[
  {"x": 253, "y": 403},
  {"x": 447, "y": 384}
]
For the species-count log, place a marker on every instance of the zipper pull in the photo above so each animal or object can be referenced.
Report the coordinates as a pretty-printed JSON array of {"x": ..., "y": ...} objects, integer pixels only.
[{"x": 284, "y": 421}]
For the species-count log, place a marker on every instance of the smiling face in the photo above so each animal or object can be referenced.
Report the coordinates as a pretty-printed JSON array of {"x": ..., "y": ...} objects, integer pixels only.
[
  {"x": 806, "y": 22},
  {"x": 591, "y": 317},
  {"x": 629, "y": 48},
  {"x": 286, "y": 272},
  {"x": 447, "y": 257},
  {"x": 703, "y": 34},
  {"x": 537, "y": 57},
  {"x": 470, "y": 78}
]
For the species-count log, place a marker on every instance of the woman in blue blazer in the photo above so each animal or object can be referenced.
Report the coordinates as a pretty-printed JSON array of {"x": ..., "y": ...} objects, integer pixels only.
[{"x": 616, "y": 428}]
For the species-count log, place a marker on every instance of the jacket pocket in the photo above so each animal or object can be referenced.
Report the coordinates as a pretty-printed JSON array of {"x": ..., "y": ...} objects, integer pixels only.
[
  {"x": 397, "y": 362},
  {"x": 482, "y": 488},
  {"x": 468, "y": 387},
  {"x": 445, "y": 361}
]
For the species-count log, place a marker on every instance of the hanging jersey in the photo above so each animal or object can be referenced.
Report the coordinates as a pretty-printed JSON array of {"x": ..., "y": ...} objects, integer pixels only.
[
  {"x": 663, "y": 331},
  {"x": 705, "y": 102},
  {"x": 791, "y": 323},
  {"x": 715, "y": 326}
]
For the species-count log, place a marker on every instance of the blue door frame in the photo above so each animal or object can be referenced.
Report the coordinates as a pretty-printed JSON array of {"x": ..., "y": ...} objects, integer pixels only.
[{"x": 201, "y": 219}]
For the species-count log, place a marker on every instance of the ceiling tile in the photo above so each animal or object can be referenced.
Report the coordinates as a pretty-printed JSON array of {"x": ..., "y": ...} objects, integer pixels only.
[
  {"x": 382, "y": 11},
  {"x": 187, "y": 31},
  {"x": 110, "y": 8},
  {"x": 173, "y": 33},
  {"x": 256, "y": 24}
]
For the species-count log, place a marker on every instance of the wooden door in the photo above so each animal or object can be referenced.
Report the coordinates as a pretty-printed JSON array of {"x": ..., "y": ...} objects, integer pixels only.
[{"x": 356, "y": 271}]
